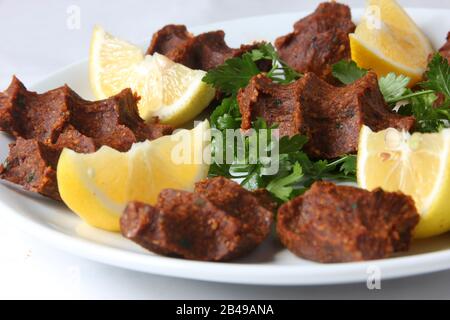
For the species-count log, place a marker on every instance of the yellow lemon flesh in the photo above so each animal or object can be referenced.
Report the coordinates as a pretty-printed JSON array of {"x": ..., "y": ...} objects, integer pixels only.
[
  {"x": 168, "y": 90},
  {"x": 416, "y": 164},
  {"x": 98, "y": 185},
  {"x": 387, "y": 40}
]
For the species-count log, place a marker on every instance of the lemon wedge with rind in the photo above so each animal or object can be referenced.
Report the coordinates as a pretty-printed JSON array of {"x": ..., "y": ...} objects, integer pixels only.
[
  {"x": 171, "y": 91},
  {"x": 416, "y": 164},
  {"x": 98, "y": 185},
  {"x": 168, "y": 90},
  {"x": 388, "y": 40},
  {"x": 108, "y": 58}
]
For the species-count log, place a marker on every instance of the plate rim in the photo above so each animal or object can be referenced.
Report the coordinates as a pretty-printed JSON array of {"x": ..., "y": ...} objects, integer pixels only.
[{"x": 222, "y": 272}]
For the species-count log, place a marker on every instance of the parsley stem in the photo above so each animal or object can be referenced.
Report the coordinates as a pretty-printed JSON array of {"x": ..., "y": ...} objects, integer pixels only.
[
  {"x": 338, "y": 161},
  {"x": 409, "y": 96}
]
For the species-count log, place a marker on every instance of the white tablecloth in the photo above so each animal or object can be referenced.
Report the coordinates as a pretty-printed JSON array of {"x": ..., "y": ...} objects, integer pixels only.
[{"x": 35, "y": 42}]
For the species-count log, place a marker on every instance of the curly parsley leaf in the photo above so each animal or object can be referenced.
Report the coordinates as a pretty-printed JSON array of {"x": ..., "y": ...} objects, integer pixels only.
[
  {"x": 280, "y": 71},
  {"x": 282, "y": 187},
  {"x": 292, "y": 144},
  {"x": 342, "y": 169},
  {"x": 438, "y": 76},
  {"x": 264, "y": 51},
  {"x": 226, "y": 115},
  {"x": 392, "y": 86},
  {"x": 430, "y": 107},
  {"x": 429, "y": 117},
  {"x": 348, "y": 166},
  {"x": 236, "y": 73},
  {"x": 347, "y": 71}
]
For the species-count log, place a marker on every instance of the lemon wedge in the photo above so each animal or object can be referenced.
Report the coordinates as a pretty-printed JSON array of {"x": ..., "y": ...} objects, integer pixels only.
[
  {"x": 387, "y": 40},
  {"x": 98, "y": 185},
  {"x": 416, "y": 164},
  {"x": 168, "y": 90}
]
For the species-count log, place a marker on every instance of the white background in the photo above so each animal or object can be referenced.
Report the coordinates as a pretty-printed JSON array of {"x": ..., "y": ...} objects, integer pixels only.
[{"x": 35, "y": 41}]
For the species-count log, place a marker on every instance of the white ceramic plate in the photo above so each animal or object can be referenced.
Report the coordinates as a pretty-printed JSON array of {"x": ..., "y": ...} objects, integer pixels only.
[{"x": 270, "y": 263}]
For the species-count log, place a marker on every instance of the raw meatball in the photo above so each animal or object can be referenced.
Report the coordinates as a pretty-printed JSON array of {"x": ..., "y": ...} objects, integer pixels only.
[
  {"x": 219, "y": 221},
  {"x": 331, "y": 117},
  {"x": 318, "y": 40},
  {"x": 332, "y": 223}
]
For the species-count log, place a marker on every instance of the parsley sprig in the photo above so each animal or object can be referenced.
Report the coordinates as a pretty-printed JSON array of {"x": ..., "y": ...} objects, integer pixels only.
[
  {"x": 280, "y": 71},
  {"x": 296, "y": 171},
  {"x": 430, "y": 105},
  {"x": 438, "y": 76},
  {"x": 347, "y": 71},
  {"x": 235, "y": 73}
]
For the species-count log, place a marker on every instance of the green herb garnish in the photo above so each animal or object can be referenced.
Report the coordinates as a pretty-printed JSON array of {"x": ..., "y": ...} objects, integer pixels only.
[
  {"x": 347, "y": 71},
  {"x": 431, "y": 114},
  {"x": 296, "y": 171},
  {"x": 438, "y": 76},
  {"x": 236, "y": 73}
]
